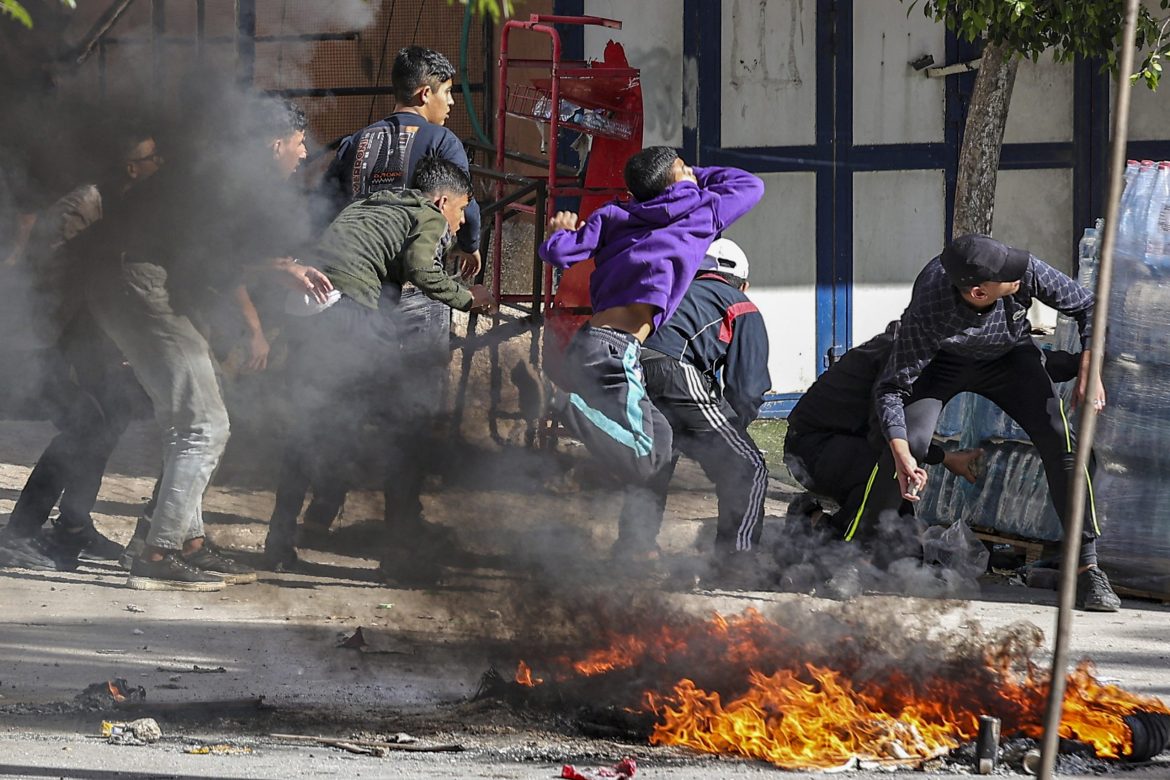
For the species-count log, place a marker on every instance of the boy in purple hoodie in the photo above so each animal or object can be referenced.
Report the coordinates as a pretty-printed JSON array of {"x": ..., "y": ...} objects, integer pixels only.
[{"x": 646, "y": 252}]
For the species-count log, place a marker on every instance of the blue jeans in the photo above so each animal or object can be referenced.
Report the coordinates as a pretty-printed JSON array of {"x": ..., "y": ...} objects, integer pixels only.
[{"x": 173, "y": 363}]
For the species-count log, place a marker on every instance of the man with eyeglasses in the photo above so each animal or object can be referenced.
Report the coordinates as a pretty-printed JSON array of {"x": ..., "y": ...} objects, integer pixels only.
[{"x": 218, "y": 217}]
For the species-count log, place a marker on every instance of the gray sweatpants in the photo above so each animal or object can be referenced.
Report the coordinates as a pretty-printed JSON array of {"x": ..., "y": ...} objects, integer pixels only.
[{"x": 172, "y": 361}]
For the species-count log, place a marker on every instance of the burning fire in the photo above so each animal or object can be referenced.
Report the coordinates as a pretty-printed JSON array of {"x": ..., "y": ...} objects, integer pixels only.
[
  {"x": 761, "y": 697},
  {"x": 115, "y": 691},
  {"x": 524, "y": 676}
]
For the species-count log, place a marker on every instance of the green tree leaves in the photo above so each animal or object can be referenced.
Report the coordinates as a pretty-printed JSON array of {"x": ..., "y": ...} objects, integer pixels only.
[
  {"x": 496, "y": 9},
  {"x": 18, "y": 12},
  {"x": 1067, "y": 28}
]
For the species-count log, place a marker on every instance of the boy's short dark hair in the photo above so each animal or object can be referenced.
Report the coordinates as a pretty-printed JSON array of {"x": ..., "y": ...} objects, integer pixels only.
[
  {"x": 296, "y": 118},
  {"x": 435, "y": 176},
  {"x": 648, "y": 172},
  {"x": 415, "y": 66},
  {"x": 123, "y": 135},
  {"x": 279, "y": 119}
]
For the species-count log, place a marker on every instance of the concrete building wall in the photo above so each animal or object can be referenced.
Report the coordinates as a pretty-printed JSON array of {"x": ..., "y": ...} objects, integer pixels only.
[
  {"x": 892, "y": 102},
  {"x": 779, "y": 238},
  {"x": 653, "y": 42},
  {"x": 768, "y": 73},
  {"x": 898, "y": 216}
]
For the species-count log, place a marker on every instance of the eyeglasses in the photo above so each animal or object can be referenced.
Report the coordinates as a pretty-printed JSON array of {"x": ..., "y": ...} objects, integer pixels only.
[{"x": 155, "y": 158}]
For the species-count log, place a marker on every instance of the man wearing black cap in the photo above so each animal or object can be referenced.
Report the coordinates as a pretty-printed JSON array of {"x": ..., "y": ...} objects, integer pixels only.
[{"x": 967, "y": 329}]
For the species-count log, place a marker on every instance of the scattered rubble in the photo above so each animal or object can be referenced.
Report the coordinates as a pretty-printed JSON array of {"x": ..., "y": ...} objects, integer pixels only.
[
  {"x": 144, "y": 731},
  {"x": 217, "y": 749},
  {"x": 371, "y": 640},
  {"x": 623, "y": 770},
  {"x": 106, "y": 695},
  {"x": 373, "y": 747}
]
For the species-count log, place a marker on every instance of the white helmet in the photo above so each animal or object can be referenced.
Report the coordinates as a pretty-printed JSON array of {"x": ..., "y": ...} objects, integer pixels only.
[{"x": 726, "y": 256}]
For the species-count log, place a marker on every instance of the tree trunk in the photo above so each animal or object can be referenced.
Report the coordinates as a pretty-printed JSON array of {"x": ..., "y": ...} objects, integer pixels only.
[{"x": 982, "y": 141}]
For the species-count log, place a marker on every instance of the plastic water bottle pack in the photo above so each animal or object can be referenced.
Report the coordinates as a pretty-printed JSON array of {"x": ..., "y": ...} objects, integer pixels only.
[
  {"x": 1139, "y": 305},
  {"x": 954, "y": 418},
  {"x": 1011, "y": 496},
  {"x": 1132, "y": 490}
]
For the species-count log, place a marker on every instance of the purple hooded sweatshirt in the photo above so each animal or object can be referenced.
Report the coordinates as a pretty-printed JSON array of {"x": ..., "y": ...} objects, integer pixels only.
[{"x": 649, "y": 252}]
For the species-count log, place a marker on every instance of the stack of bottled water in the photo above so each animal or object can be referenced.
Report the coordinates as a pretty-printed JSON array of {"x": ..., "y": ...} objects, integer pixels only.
[
  {"x": 1134, "y": 431},
  {"x": 1068, "y": 336}
]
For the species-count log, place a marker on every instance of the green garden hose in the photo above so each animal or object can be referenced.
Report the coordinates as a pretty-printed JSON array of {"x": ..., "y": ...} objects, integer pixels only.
[{"x": 464, "y": 82}]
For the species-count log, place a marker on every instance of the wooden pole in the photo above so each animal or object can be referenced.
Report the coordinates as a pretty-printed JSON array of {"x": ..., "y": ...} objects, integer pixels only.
[{"x": 1088, "y": 415}]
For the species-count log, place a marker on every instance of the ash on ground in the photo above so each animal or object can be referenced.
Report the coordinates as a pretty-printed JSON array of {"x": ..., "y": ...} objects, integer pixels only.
[{"x": 1075, "y": 758}]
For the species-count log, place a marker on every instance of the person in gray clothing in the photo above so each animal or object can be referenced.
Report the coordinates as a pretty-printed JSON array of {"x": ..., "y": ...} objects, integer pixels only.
[{"x": 169, "y": 243}]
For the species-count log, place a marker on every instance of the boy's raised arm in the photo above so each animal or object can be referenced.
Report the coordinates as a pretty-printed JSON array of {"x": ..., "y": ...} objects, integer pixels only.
[
  {"x": 568, "y": 245},
  {"x": 736, "y": 192}
]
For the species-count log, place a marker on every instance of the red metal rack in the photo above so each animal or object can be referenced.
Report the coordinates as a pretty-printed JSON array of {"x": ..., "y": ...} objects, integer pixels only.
[{"x": 603, "y": 100}]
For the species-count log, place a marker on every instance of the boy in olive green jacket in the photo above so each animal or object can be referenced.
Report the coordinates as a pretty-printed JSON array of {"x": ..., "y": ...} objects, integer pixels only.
[{"x": 346, "y": 363}]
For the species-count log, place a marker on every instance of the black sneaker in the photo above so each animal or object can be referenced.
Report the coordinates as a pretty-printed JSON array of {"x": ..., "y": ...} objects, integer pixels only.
[
  {"x": 209, "y": 559},
  {"x": 136, "y": 544},
  {"x": 806, "y": 519},
  {"x": 533, "y": 396},
  {"x": 741, "y": 571},
  {"x": 171, "y": 573},
  {"x": 35, "y": 552},
  {"x": 804, "y": 504},
  {"x": 90, "y": 543},
  {"x": 321, "y": 513},
  {"x": 1094, "y": 593}
]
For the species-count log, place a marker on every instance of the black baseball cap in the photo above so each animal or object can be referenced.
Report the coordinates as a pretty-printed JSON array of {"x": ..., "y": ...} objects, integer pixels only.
[{"x": 974, "y": 259}]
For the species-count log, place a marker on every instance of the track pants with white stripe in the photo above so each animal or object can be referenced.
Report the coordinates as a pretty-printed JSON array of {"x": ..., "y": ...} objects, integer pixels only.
[{"x": 705, "y": 428}]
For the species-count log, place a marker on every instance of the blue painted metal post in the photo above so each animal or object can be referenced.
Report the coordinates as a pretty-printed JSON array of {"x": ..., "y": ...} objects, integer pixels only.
[
  {"x": 834, "y": 187},
  {"x": 572, "y": 48},
  {"x": 703, "y": 40},
  {"x": 692, "y": 54}
]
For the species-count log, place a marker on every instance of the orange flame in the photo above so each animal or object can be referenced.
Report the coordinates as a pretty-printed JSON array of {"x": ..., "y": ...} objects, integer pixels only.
[
  {"x": 1093, "y": 713},
  {"x": 793, "y": 721},
  {"x": 799, "y": 714},
  {"x": 115, "y": 691},
  {"x": 524, "y": 676}
]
